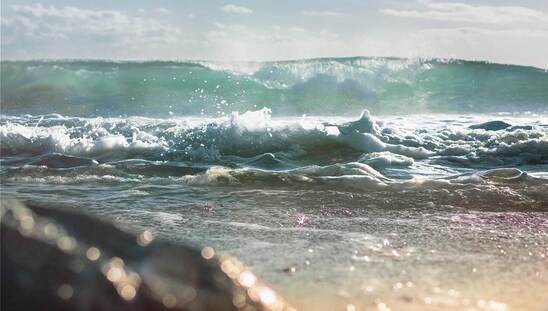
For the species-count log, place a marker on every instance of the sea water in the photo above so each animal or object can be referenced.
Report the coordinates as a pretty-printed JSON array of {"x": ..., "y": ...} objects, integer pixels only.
[{"x": 346, "y": 184}]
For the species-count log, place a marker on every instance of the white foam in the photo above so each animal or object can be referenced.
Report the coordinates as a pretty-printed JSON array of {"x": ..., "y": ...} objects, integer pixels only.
[
  {"x": 406, "y": 141},
  {"x": 381, "y": 160}
]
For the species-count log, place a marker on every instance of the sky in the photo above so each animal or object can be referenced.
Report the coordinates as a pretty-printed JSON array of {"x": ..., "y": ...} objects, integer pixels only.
[{"x": 501, "y": 31}]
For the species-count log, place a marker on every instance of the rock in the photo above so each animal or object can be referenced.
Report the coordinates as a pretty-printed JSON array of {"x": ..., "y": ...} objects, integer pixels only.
[
  {"x": 520, "y": 127},
  {"x": 290, "y": 270},
  {"x": 491, "y": 126},
  {"x": 504, "y": 174},
  {"x": 61, "y": 259},
  {"x": 55, "y": 160}
]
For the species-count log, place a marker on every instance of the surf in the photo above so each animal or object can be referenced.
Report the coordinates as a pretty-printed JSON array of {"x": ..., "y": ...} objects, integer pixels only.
[{"x": 326, "y": 86}]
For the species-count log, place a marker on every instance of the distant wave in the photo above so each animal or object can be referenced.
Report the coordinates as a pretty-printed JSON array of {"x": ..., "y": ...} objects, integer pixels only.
[{"x": 329, "y": 86}]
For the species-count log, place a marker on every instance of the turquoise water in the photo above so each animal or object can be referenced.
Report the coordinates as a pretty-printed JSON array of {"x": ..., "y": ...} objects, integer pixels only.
[
  {"x": 330, "y": 86},
  {"x": 334, "y": 193}
]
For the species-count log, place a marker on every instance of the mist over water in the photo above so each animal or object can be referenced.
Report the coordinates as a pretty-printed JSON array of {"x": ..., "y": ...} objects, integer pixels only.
[{"x": 409, "y": 184}]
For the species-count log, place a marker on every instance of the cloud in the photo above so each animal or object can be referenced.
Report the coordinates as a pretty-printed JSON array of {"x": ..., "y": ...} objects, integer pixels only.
[
  {"x": 162, "y": 11},
  {"x": 483, "y": 32},
  {"x": 321, "y": 13},
  {"x": 471, "y": 43},
  {"x": 231, "y": 8},
  {"x": 64, "y": 31},
  {"x": 296, "y": 29},
  {"x": 490, "y": 44},
  {"x": 39, "y": 31},
  {"x": 463, "y": 12},
  {"x": 242, "y": 42}
]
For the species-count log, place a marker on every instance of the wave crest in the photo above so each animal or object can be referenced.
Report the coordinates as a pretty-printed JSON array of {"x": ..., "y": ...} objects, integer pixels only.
[{"x": 331, "y": 86}]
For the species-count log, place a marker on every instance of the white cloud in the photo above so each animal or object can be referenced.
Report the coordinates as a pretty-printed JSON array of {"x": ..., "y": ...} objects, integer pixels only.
[
  {"x": 296, "y": 29},
  {"x": 482, "y": 32},
  {"x": 463, "y": 12},
  {"x": 489, "y": 44},
  {"x": 219, "y": 25},
  {"x": 471, "y": 43},
  {"x": 242, "y": 42},
  {"x": 162, "y": 11},
  {"x": 320, "y": 13},
  {"x": 42, "y": 31},
  {"x": 64, "y": 31},
  {"x": 235, "y": 9}
]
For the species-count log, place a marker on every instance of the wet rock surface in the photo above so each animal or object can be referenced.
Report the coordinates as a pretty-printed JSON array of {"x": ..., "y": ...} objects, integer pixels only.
[
  {"x": 491, "y": 125},
  {"x": 60, "y": 259}
]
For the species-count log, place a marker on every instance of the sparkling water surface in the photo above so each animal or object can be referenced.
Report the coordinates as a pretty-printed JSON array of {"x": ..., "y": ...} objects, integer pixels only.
[{"x": 366, "y": 213}]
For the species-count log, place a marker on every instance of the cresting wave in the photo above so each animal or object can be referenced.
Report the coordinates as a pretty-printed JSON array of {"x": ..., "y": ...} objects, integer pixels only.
[
  {"x": 330, "y": 86},
  {"x": 254, "y": 149}
]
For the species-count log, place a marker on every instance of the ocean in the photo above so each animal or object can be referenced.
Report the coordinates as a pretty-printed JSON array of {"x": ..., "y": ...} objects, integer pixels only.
[{"x": 345, "y": 183}]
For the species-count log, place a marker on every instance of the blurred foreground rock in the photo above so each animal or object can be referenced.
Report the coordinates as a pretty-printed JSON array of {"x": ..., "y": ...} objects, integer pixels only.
[{"x": 59, "y": 259}]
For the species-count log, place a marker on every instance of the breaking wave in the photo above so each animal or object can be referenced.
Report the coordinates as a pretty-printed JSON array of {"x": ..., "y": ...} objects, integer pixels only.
[
  {"x": 254, "y": 148},
  {"x": 330, "y": 86}
]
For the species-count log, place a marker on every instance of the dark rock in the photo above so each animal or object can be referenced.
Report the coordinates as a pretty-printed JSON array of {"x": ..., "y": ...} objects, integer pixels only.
[
  {"x": 60, "y": 259},
  {"x": 56, "y": 160},
  {"x": 290, "y": 270},
  {"x": 520, "y": 127},
  {"x": 491, "y": 126}
]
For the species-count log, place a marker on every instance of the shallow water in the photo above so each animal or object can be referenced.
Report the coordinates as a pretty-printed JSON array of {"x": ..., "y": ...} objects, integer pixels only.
[{"x": 368, "y": 213}]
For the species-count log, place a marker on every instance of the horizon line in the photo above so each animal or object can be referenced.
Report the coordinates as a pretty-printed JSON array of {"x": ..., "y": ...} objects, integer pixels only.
[{"x": 288, "y": 60}]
